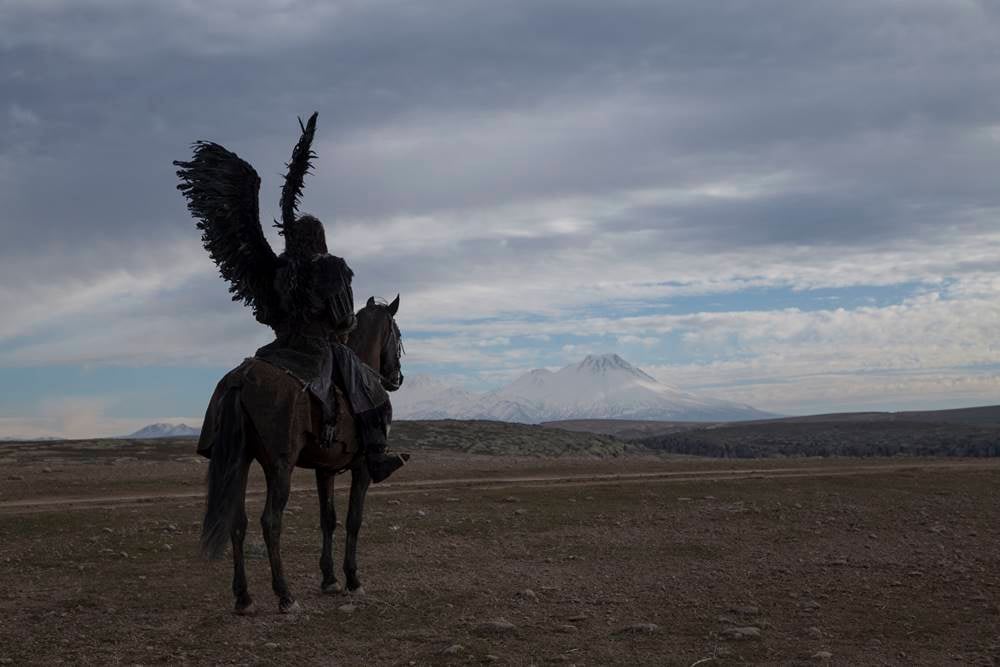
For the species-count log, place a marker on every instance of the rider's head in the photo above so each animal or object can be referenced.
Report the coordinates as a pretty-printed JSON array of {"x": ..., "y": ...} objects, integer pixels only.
[{"x": 306, "y": 237}]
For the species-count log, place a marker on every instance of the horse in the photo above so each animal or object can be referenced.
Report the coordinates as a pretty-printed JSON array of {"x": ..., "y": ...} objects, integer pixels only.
[{"x": 256, "y": 388}]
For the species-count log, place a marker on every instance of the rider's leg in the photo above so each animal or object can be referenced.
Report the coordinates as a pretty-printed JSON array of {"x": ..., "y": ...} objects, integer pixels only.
[{"x": 372, "y": 428}]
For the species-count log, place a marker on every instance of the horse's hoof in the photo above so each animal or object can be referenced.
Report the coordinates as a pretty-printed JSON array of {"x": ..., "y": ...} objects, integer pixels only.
[
  {"x": 292, "y": 607},
  {"x": 358, "y": 592},
  {"x": 245, "y": 610},
  {"x": 333, "y": 588}
]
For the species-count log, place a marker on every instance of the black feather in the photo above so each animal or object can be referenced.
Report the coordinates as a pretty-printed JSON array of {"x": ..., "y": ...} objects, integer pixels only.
[
  {"x": 298, "y": 167},
  {"x": 222, "y": 194}
]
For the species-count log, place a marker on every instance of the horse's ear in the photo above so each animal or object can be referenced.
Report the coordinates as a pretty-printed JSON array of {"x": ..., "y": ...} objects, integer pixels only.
[
  {"x": 394, "y": 306},
  {"x": 371, "y": 302}
]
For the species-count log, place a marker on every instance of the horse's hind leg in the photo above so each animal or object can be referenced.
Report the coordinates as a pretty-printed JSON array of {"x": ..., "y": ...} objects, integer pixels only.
[
  {"x": 278, "y": 487},
  {"x": 244, "y": 603},
  {"x": 328, "y": 524},
  {"x": 355, "y": 511}
]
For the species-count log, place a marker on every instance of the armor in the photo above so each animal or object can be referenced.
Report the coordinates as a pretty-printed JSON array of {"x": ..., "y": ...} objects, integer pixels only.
[{"x": 304, "y": 294}]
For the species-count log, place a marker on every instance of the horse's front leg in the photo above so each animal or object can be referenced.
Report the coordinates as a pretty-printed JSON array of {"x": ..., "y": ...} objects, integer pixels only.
[
  {"x": 360, "y": 480},
  {"x": 327, "y": 524},
  {"x": 279, "y": 482}
]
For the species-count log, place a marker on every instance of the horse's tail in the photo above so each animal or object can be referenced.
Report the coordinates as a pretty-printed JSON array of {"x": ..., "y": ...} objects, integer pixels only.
[{"x": 227, "y": 473}]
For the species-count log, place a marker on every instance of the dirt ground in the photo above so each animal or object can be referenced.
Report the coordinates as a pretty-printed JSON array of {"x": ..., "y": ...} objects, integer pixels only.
[{"x": 629, "y": 560}]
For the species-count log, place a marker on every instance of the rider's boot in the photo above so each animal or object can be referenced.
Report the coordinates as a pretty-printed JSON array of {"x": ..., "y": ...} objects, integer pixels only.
[{"x": 379, "y": 462}]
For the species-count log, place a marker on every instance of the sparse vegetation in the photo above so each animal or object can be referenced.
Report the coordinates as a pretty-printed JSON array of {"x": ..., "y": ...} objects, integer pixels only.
[
  {"x": 501, "y": 439},
  {"x": 854, "y": 439}
]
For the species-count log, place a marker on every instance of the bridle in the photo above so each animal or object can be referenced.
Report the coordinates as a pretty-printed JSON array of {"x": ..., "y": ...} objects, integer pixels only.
[{"x": 392, "y": 337}]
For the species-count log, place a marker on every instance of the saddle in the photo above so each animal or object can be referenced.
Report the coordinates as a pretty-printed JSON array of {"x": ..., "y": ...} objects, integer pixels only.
[{"x": 281, "y": 408}]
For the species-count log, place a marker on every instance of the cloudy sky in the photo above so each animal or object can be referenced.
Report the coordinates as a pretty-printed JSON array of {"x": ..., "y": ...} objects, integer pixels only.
[{"x": 789, "y": 204}]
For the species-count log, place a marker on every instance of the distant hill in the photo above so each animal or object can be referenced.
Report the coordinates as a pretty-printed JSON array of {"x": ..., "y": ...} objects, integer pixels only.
[
  {"x": 17, "y": 438},
  {"x": 632, "y": 429},
  {"x": 957, "y": 432},
  {"x": 987, "y": 415},
  {"x": 830, "y": 438},
  {"x": 627, "y": 429},
  {"x": 499, "y": 438},
  {"x": 599, "y": 387},
  {"x": 164, "y": 431}
]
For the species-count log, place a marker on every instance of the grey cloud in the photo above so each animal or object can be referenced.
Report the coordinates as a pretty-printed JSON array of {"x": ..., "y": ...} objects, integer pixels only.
[{"x": 881, "y": 110}]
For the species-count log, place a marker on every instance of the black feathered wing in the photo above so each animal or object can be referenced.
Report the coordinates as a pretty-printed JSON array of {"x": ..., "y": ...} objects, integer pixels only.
[
  {"x": 298, "y": 167},
  {"x": 222, "y": 193}
]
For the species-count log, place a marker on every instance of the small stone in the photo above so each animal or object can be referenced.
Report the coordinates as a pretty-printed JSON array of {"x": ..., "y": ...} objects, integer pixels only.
[
  {"x": 123, "y": 554},
  {"x": 528, "y": 593},
  {"x": 809, "y": 605},
  {"x": 822, "y": 655},
  {"x": 745, "y": 610},
  {"x": 347, "y": 608},
  {"x": 510, "y": 499},
  {"x": 108, "y": 530},
  {"x": 421, "y": 512},
  {"x": 171, "y": 526},
  {"x": 814, "y": 632},
  {"x": 454, "y": 649},
  {"x": 578, "y": 617},
  {"x": 520, "y": 512},
  {"x": 498, "y": 627},
  {"x": 566, "y": 628},
  {"x": 742, "y": 633},
  {"x": 393, "y": 501},
  {"x": 271, "y": 645},
  {"x": 46, "y": 469},
  {"x": 640, "y": 628}
]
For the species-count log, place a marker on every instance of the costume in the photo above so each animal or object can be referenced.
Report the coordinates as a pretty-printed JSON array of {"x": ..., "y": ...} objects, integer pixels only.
[{"x": 304, "y": 294}]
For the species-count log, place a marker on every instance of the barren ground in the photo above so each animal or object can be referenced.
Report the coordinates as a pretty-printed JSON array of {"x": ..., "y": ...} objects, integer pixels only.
[{"x": 874, "y": 561}]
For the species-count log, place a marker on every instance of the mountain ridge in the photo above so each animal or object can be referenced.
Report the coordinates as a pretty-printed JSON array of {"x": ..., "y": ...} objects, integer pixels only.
[
  {"x": 163, "y": 430},
  {"x": 598, "y": 387}
]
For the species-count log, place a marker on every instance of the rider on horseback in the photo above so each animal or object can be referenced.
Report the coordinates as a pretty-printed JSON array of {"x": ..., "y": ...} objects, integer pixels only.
[
  {"x": 315, "y": 287},
  {"x": 304, "y": 294}
]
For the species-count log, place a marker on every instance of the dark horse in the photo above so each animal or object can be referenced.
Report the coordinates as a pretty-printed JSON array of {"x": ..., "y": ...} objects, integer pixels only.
[{"x": 264, "y": 414}]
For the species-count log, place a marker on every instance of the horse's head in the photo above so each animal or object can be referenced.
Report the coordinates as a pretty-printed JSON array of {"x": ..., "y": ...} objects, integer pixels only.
[{"x": 377, "y": 341}]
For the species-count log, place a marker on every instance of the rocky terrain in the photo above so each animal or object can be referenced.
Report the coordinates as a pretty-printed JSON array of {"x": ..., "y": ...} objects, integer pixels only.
[
  {"x": 501, "y": 439},
  {"x": 486, "y": 559}
]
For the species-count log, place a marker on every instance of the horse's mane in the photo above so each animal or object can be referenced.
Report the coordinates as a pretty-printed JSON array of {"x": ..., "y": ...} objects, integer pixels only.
[{"x": 364, "y": 322}]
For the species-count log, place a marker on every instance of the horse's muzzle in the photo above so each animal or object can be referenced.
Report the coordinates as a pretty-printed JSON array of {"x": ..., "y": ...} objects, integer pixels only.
[{"x": 392, "y": 384}]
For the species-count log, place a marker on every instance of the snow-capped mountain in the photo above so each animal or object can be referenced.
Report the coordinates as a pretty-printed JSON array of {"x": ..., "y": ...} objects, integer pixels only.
[
  {"x": 164, "y": 431},
  {"x": 429, "y": 397},
  {"x": 599, "y": 387}
]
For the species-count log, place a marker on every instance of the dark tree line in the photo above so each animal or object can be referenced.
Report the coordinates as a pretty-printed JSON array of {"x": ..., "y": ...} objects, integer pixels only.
[{"x": 858, "y": 439}]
